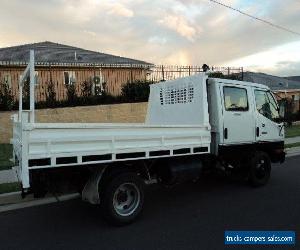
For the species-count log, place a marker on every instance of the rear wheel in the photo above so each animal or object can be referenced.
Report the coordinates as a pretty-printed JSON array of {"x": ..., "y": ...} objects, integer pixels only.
[
  {"x": 260, "y": 169},
  {"x": 122, "y": 198}
]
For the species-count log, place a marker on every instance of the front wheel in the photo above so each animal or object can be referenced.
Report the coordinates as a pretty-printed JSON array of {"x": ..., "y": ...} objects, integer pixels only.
[
  {"x": 260, "y": 169},
  {"x": 122, "y": 198}
]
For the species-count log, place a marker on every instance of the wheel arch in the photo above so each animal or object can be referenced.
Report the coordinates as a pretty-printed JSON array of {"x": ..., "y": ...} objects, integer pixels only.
[{"x": 103, "y": 173}]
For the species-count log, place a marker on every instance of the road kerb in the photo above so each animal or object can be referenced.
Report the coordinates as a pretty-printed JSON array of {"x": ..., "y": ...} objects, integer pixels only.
[
  {"x": 294, "y": 151},
  {"x": 33, "y": 203},
  {"x": 10, "y": 194}
]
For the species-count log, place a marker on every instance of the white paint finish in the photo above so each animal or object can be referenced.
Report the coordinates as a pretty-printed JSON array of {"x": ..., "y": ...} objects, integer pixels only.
[
  {"x": 64, "y": 142},
  {"x": 29, "y": 71},
  {"x": 32, "y": 86},
  {"x": 215, "y": 114},
  {"x": 177, "y": 118},
  {"x": 180, "y": 101},
  {"x": 54, "y": 140},
  {"x": 240, "y": 125},
  {"x": 24, "y": 171},
  {"x": 268, "y": 129},
  {"x": 20, "y": 99},
  {"x": 241, "y": 83}
]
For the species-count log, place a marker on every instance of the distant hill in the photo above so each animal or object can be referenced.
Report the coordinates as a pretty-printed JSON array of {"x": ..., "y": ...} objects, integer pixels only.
[
  {"x": 293, "y": 78},
  {"x": 273, "y": 82}
]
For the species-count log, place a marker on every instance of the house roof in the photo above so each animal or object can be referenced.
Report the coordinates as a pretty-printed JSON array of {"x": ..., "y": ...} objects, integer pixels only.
[
  {"x": 60, "y": 54},
  {"x": 275, "y": 83},
  {"x": 294, "y": 78}
]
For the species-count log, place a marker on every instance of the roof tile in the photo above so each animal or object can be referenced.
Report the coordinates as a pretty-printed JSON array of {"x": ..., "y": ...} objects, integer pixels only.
[{"x": 49, "y": 52}]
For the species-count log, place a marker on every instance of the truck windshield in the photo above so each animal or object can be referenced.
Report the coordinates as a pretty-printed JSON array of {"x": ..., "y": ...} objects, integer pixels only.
[{"x": 267, "y": 105}]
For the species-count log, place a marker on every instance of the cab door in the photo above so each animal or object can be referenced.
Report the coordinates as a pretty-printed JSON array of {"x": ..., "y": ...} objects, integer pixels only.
[
  {"x": 238, "y": 117},
  {"x": 267, "y": 113}
]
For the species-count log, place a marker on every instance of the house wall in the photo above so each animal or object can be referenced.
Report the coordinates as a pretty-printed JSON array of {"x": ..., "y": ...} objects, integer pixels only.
[
  {"x": 127, "y": 112},
  {"x": 114, "y": 78},
  {"x": 292, "y": 95}
]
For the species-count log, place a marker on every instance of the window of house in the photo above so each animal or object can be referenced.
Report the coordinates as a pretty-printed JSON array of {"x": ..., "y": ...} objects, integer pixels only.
[
  {"x": 98, "y": 82},
  {"x": 235, "y": 99},
  {"x": 7, "y": 80},
  {"x": 266, "y": 104},
  {"x": 69, "y": 77}
]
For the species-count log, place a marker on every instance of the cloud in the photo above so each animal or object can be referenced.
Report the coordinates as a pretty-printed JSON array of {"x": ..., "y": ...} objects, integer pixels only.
[
  {"x": 90, "y": 33},
  {"x": 157, "y": 40},
  {"x": 169, "y": 31},
  {"x": 120, "y": 10},
  {"x": 180, "y": 25},
  {"x": 83, "y": 11},
  {"x": 181, "y": 57},
  {"x": 280, "y": 68},
  {"x": 281, "y": 59},
  {"x": 286, "y": 68}
]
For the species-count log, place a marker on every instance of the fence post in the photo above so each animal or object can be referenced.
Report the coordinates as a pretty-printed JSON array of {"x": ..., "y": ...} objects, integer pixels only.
[
  {"x": 163, "y": 73},
  {"x": 242, "y": 73},
  {"x": 131, "y": 74}
]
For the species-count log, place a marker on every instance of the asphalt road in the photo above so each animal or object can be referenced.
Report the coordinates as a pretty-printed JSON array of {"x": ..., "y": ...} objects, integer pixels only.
[{"x": 190, "y": 216}]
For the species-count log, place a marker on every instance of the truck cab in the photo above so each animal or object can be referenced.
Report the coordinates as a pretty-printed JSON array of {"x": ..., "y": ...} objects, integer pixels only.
[{"x": 244, "y": 118}]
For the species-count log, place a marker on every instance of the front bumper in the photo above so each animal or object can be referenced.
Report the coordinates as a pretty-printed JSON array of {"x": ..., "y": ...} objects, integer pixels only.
[{"x": 278, "y": 155}]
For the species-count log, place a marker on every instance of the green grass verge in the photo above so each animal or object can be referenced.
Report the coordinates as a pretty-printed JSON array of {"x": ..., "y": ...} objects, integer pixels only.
[
  {"x": 10, "y": 187},
  {"x": 292, "y": 131},
  {"x": 292, "y": 145},
  {"x": 5, "y": 155}
]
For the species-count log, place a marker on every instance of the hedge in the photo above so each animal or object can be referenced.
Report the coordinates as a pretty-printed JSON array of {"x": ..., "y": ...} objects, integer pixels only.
[{"x": 130, "y": 92}]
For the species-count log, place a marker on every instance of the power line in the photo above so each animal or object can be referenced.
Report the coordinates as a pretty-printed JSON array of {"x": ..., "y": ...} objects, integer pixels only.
[{"x": 257, "y": 18}]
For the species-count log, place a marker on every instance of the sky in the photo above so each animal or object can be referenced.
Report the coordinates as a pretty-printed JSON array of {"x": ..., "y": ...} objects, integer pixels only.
[{"x": 181, "y": 32}]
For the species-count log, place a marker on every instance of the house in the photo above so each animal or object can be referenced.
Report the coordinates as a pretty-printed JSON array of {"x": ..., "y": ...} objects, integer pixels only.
[
  {"x": 283, "y": 87},
  {"x": 64, "y": 65}
]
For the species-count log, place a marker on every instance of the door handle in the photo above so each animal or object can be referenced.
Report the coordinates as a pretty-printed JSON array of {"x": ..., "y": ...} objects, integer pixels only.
[
  {"x": 257, "y": 131},
  {"x": 225, "y": 133}
]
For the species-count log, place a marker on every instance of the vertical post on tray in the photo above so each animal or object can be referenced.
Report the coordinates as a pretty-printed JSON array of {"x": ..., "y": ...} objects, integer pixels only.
[
  {"x": 20, "y": 99},
  {"x": 32, "y": 83},
  {"x": 29, "y": 71}
]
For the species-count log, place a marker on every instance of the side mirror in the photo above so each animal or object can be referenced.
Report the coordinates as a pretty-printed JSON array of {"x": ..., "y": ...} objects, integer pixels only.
[{"x": 281, "y": 110}]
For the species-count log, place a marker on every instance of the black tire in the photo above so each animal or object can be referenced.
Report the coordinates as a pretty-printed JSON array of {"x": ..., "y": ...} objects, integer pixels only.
[
  {"x": 122, "y": 198},
  {"x": 260, "y": 169}
]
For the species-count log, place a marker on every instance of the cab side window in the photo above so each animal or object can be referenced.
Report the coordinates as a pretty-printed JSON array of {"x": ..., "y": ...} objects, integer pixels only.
[
  {"x": 235, "y": 99},
  {"x": 266, "y": 105}
]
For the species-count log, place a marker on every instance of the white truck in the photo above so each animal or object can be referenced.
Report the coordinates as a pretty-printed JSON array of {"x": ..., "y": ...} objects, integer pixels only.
[{"x": 192, "y": 123}]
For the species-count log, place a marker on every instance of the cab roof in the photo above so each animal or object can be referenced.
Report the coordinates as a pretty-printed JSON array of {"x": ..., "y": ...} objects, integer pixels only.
[{"x": 240, "y": 83}]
